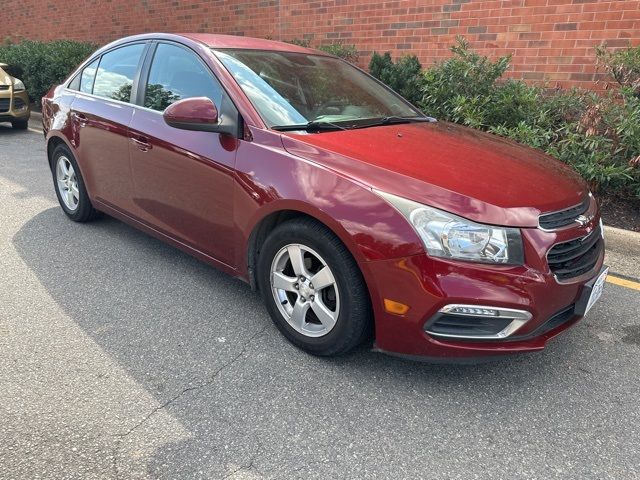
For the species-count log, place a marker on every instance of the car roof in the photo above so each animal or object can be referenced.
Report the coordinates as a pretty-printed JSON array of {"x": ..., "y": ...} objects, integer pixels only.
[
  {"x": 248, "y": 43},
  {"x": 210, "y": 40}
]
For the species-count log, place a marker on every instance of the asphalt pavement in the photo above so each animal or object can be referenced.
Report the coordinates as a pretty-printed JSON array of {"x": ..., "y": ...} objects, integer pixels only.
[{"x": 123, "y": 358}]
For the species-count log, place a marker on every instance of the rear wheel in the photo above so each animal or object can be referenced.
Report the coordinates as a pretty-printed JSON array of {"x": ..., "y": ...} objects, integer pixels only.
[
  {"x": 69, "y": 186},
  {"x": 313, "y": 288}
]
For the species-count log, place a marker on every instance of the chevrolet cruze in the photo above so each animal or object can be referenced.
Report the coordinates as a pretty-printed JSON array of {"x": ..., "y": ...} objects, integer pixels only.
[{"x": 353, "y": 214}]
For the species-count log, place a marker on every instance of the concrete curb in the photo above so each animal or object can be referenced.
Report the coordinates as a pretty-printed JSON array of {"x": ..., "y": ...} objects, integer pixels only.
[
  {"x": 623, "y": 241},
  {"x": 623, "y": 252}
]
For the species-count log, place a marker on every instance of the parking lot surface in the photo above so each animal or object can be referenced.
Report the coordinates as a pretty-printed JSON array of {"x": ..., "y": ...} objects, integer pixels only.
[{"x": 121, "y": 357}]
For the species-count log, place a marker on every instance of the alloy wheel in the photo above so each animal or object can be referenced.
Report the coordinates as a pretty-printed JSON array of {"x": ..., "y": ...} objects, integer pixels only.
[
  {"x": 67, "y": 183},
  {"x": 305, "y": 290}
]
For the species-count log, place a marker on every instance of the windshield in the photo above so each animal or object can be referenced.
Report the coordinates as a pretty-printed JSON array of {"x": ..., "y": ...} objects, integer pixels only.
[{"x": 296, "y": 88}]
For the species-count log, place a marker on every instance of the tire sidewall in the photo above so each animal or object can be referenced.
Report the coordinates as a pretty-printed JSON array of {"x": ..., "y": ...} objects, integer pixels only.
[
  {"x": 84, "y": 204},
  {"x": 348, "y": 318}
]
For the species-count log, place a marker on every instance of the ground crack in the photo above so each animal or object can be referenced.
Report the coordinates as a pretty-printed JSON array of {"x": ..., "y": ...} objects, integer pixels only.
[
  {"x": 208, "y": 382},
  {"x": 240, "y": 468}
]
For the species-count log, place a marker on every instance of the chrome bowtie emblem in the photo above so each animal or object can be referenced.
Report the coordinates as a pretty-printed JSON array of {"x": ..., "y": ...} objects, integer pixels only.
[{"x": 583, "y": 220}]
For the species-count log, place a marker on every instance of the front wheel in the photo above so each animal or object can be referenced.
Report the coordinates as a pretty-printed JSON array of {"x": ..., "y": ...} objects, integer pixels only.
[{"x": 313, "y": 288}]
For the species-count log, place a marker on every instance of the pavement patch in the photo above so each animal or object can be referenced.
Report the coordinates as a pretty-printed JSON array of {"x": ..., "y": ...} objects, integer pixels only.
[{"x": 632, "y": 336}]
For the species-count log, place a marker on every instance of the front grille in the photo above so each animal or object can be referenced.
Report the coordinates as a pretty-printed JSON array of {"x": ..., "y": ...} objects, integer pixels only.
[
  {"x": 4, "y": 104},
  {"x": 553, "y": 220},
  {"x": 576, "y": 257},
  {"x": 4, "y": 87}
]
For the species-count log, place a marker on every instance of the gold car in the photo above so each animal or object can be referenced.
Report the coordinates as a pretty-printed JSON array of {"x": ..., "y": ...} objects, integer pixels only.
[{"x": 14, "y": 101}]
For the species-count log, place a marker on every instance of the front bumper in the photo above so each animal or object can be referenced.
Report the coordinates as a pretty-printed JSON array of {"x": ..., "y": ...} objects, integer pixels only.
[
  {"x": 10, "y": 105},
  {"x": 428, "y": 284}
]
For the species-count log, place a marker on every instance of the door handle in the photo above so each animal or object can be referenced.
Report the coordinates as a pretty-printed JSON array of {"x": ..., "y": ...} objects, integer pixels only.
[
  {"x": 141, "y": 142},
  {"x": 80, "y": 118}
]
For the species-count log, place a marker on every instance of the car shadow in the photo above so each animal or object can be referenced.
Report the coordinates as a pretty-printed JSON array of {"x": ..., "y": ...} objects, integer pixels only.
[{"x": 174, "y": 323}]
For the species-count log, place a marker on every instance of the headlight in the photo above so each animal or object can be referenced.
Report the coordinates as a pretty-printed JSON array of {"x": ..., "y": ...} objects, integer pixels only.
[
  {"x": 18, "y": 85},
  {"x": 449, "y": 236}
]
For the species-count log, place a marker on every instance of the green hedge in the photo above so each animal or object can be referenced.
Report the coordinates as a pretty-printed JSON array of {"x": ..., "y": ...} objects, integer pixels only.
[
  {"x": 598, "y": 134},
  {"x": 44, "y": 64}
]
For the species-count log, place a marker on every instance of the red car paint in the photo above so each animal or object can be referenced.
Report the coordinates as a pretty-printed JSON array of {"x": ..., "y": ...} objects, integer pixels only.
[{"x": 208, "y": 194}]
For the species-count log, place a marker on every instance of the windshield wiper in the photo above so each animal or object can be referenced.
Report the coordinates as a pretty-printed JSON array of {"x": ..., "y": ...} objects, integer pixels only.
[
  {"x": 323, "y": 126},
  {"x": 395, "y": 119},
  {"x": 309, "y": 127}
]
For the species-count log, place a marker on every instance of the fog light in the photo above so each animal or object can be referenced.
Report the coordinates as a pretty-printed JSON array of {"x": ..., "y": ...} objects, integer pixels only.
[
  {"x": 484, "y": 311},
  {"x": 488, "y": 312}
]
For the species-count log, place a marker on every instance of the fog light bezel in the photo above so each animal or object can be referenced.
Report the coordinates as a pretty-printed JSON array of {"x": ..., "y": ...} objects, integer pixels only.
[{"x": 518, "y": 319}]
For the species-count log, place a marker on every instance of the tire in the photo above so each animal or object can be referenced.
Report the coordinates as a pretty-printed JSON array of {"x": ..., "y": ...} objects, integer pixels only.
[
  {"x": 79, "y": 208},
  {"x": 343, "y": 305},
  {"x": 20, "y": 124}
]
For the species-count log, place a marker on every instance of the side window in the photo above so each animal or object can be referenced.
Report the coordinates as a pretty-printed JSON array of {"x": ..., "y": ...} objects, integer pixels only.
[
  {"x": 176, "y": 73},
  {"x": 88, "y": 76},
  {"x": 75, "y": 83},
  {"x": 114, "y": 78}
]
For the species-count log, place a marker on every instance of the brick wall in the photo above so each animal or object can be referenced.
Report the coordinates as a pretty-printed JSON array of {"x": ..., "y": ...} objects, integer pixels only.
[{"x": 551, "y": 40}]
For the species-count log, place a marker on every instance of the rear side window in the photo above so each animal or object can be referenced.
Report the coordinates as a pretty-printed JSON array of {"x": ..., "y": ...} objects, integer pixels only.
[
  {"x": 117, "y": 68},
  {"x": 83, "y": 81},
  {"x": 88, "y": 76},
  {"x": 177, "y": 73},
  {"x": 75, "y": 83}
]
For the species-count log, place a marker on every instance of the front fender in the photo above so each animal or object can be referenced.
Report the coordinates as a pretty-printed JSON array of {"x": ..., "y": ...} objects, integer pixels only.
[{"x": 269, "y": 180}]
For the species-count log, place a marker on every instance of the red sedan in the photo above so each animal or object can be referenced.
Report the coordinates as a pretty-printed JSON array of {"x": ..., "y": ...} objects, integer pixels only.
[{"x": 354, "y": 214}]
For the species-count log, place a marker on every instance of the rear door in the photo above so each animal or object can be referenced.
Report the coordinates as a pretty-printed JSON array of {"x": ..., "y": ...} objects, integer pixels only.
[
  {"x": 100, "y": 117},
  {"x": 183, "y": 179}
]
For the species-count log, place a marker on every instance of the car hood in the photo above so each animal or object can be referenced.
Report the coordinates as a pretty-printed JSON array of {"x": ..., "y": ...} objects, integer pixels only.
[
  {"x": 473, "y": 174},
  {"x": 5, "y": 79}
]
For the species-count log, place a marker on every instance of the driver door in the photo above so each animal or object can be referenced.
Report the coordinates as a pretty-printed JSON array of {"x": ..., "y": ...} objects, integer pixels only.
[{"x": 183, "y": 183}]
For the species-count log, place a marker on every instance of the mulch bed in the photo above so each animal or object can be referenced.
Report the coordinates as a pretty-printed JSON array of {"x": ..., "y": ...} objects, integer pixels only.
[{"x": 620, "y": 212}]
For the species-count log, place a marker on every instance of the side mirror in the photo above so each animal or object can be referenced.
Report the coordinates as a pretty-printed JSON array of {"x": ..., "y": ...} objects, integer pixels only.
[{"x": 197, "y": 113}]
